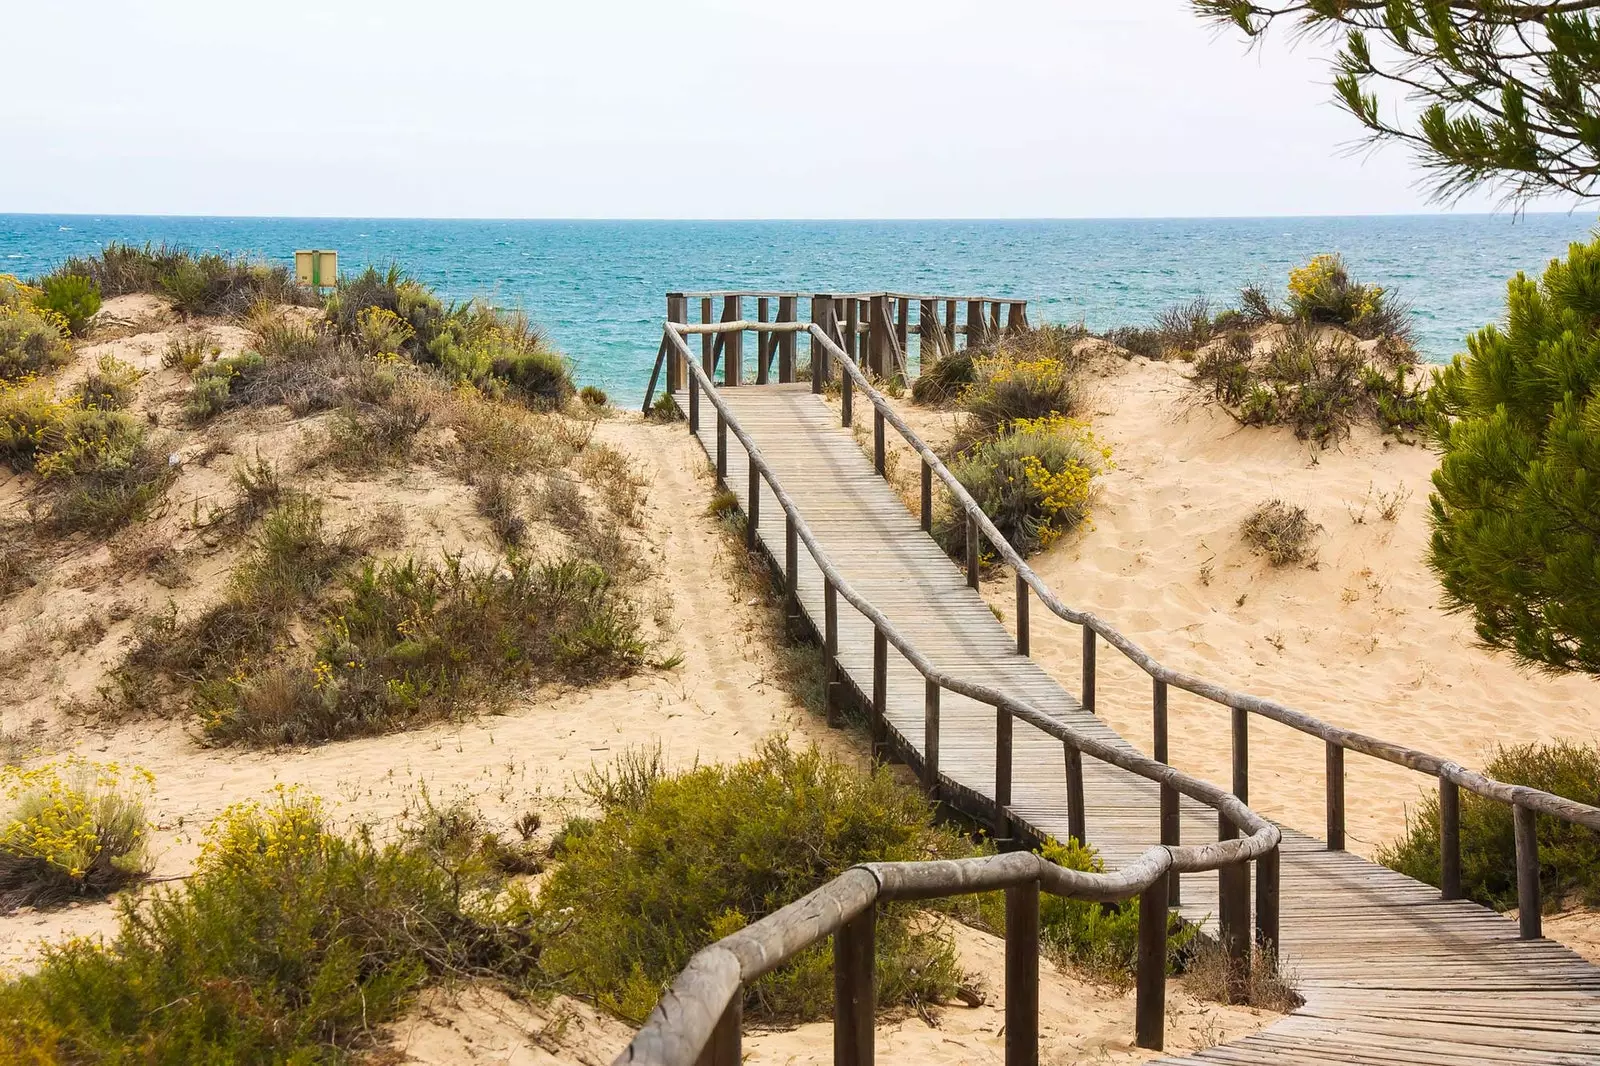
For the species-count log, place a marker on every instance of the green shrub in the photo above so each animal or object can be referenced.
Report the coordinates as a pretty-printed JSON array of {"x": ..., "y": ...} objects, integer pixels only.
[
  {"x": 1136, "y": 340},
  {"x": 1569, "y": 855},
  {"x": 666, "y": 409},
  {"x": 1322, "y": 292},
  {"x": 412, "y": 642},
  {"x": 1030, "y": 375},
  {"x": 74, "y": 829},
  {"x": 109, "y": 386},
  {"x": 197, "y": 284},
  {"x": 1034, "y": 481},
  {"x": 593, "y": 396},
  {"x": 1516, "y": 522},
  {"x": 71, "y": 296},
  {"x": 288, "y": 944},
  {"x": 32, "y": 341},
  {"x": 678, "y": 860},
  {"x": 359, "y": 310},
  {"x": 1187, "y": 327},
  {"x": 946, "y": 380},
  {"x": 187, "y": 350}
]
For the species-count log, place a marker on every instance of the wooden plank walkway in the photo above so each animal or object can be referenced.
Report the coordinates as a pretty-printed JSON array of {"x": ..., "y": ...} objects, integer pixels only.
[{"x": 1391, "y": 973}]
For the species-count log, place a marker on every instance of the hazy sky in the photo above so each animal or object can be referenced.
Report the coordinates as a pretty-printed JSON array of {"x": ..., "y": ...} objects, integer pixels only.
[{"x": 693, "y": 109}]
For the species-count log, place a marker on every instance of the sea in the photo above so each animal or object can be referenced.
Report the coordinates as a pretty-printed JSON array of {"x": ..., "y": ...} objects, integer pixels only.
[{"x": 598, "y": 287}]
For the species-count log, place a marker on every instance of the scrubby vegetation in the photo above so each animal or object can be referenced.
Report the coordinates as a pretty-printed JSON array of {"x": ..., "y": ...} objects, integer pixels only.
[
  {"x": 1282, "y": 532},
  {"x": 197, "y": 284},
  {"x": 290, "y": 943},
  {"x": 70, "y": 830},
  {"x": 71, "y": 298},
  {"x": 1569, "y": 855},
  {"x": 1516, "y": 522},
  {"x": 946, "y": 380},
  {"x": 32, "y": 341}
]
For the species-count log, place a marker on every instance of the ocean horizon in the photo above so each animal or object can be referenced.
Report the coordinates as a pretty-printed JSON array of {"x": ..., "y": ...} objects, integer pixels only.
[{"x": 598, "y": 286}]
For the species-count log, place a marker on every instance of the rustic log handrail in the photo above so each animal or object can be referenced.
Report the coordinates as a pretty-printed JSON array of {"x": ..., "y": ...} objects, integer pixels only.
[{"x": 697, "y": 1021}]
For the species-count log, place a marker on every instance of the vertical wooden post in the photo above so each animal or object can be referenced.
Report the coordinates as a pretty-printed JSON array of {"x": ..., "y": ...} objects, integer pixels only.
[
  {"x": 830, "y": 651},
  {"x": 928, "y": 334},
  {"x": 950, "y": 325},
  {"x": 677, "y": 311},
  {"x": 852, "y": 329},
  {"x": 752, "y": 510},
  {"x": 1170, "y": 824},
  {"x": 1022, "y": 974},
  {"x": 707, "y": 340},
  {"x": 694, "y": 403},
  {"x": 975, "y": 330},
  {"x": 1267, "y": 903},
  {"x": 723, "y": 1048},
  {"x": 1233, "y": 922},
  {"x": 732, "y": 343},
  {"x": 1016, "y": 317},
  {"x": 1449, "y": 839},
  {"x": 763, "y": 343},
  {"x": 1150, "y": 1001},
  {"x": 879, "y": 460},
  {"x": 847, "y": 387},
  {"x": 722, "y": 451},
  {"x": 823, "y": 314},
  {"x": 974, "y": 553},
  {"x": 791, "y": 572},
  {"x": 1077, "y": 817},
  {"x": 930, "y": 737},
  {"x": 1335, "y": 760},
  {"x": 902, "y": 325},
  {"x": 1530, "y": 920},
  {"x": 927, "y": 497},
  {"x": 1241, "y": 754},
  {"x": 1002, "y": 774},
  {"x": 1022, "y": 616},
  {"x": 1087, "y": 697},
  {"x": 854, "y": 997},
  {"x": 880, "y": 326},
  {"x": 880, "y": 692},
  {"x": 786, "y": 340}
]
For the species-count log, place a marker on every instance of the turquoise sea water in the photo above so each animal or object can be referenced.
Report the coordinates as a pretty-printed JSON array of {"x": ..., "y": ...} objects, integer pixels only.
[{"x": 598, "y": 287}]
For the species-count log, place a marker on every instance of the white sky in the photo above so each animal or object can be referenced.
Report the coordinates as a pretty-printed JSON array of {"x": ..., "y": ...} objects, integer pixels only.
[{"x": 693, "y": 109}]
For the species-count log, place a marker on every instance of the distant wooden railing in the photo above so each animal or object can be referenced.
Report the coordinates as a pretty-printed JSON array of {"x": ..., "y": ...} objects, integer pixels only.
[
  {"x": 697, "y": 1022},
  {"x": 876, "y": 327}
]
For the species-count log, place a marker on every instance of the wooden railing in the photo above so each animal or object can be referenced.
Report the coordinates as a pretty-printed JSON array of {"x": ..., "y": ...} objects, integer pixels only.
[
  {"x": 698, "y": 1020},
  {"x": 877, "y": 327}
]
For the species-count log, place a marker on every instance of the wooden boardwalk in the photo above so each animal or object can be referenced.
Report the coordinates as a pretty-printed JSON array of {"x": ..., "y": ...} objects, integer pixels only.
[{"x": 1391, "y": 974}]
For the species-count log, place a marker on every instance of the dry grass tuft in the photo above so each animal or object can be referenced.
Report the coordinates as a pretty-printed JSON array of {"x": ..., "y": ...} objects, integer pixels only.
[
  {"x": 1281, "y": 532},
  {"x": 1269, "y": 987}
]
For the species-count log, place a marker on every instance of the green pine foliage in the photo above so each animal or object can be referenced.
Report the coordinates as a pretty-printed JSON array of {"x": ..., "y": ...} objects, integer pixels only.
[
  {"x": 1516, "y": 507},
  {"x": 74, "y": 297}
]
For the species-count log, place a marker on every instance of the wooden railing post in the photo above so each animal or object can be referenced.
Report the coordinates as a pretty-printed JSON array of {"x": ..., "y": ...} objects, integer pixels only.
[
  {"x": 786, "y": 340},
  {"x": 1170, "y": 824},
  {"x": 1267, "y": 909},
  {"x": 723, "y": 1049},
  {"x": 1150, "y": 1002},
  {"x": 753, "y": 509},
  {"x": 880, "y": 327},
  {"x": 763, "y": 342},
  {"x": 880, "y": 692},
  {"x": 1022, "y": 974},
  {"x": 677, "y": 311},
  {"x": 732, "y": 343},
  {"x": 791, "y": 573},
  {"x": 1016, "y": 317},
  {"x": 927, "y": 497},
  {"x": 707, "y": 340},
  {"x": 1241, "y": 754},
  {"x": 694, "y": 403},
  {"x": 950, "y": 325},
  {"x": 879, "y": 446},
  {"x": 847, "y": 390},
  {"x": 830, "y": 651},
  {"x": 1086, "y": 697},
  {"x": 1335, "y": 803},
  {"x": 823, "y": 314},
  {"x": 1530, "y": 920},
  {"x": 975, "y": 329},
  {"x": 1449, "y": 839},
  {"x": 902, "y": 322},
  {"x": 928, "y": 334},
  {"x": 722, "y": 451},
  {"x": 852, "y": 329},
  {"x": 1002, "y": 774},
  {"x": 930, "y": 737},
  {"x": 854, "y": 997},
  {"x": 973, "y": 551},
  {"x": 1077, "y": 817},
  {"x": 1022, "y": 616},
  {"x": 1233, "y": 922}
]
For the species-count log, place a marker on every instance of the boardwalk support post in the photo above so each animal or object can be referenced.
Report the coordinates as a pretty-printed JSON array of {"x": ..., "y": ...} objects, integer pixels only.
[
  {"x": 1529, "y": 919},
  {"x": 1241, "y": 754},
  {"x": 927, "y": 497},
  {"x": 786, "y": 340},
  {"x": 854, "y": 999},
  {"x": 880, "y": 693},
  {"x": 1267, "y": 907},
  {"x": 1022, "y": 974},
  {"x": 694, "y": 404},
  {"x": 973, "y": 552},
  {"x": 763, "y": 342},
  {"x": 1170, "y": 830},
  {"x": 752, "y": 523},
  {"x": 1087, "y": 696},
  {"x": 732, "y": 342},
  {"x": 723, "y": 1048},
  {"x": 722, "y": 451},
  {"x": 1077, "y": 818},
  {"x": 1335, "y": 797},
  {"x": 830, "y": 652},
  {"x": 1150, "y": 1004},
  {"x": 1022, "y": 616},
  {"x": 1233, "y": 922},
  {"x": 847, "y": 391},
  {"x": 1002, "y": 774},
  {"x": 791, "y": 574},
  {"x": 930, "y": 737},
  {"x": 823, "y": 314},
  {"x": 878, "y": 443},
  {"x": 1449, "y": 839}
]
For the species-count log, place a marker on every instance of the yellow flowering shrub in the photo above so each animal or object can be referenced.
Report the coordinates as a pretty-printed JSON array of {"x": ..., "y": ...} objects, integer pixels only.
[
  {"x": 381, "y": 331},
  {"x": 1322, "y": 291},
  {"x": 32, "y": 340},
  {"x": 71, "y": 828},
  {"x": 1011, "y": 385}
]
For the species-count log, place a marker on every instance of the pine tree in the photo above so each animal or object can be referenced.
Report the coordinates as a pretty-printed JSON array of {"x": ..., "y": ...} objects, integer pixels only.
[{"x": 1516, "y": 511}]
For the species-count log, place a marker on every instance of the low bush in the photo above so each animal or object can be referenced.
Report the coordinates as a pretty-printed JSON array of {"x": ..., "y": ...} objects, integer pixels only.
[
  {"x": 945, "y": 381},
  {"x": 666, "y": 409},
  {"x": 289, "y": 943},
  {"x": 71, "y": 297},
  {"x": 676, "y": 861},
  {"x": 32, "y": 341},
  {"x": 188, "y": 349},
  {"x": 593, "y": 396},
  {"x": 196, "y": 283},
  {"x": 70, "y": 830},
  {"x": 1569, "y": 855},
  {"x": 1317, "y": 385},
  {"x": 1034, "y": 481},
  {"x": 1281, "y": 532},
  {"x": 108, "y": 387},
  {"x": 410, "y": 642},
  {"x": 1029, "y": 375},
  {"x": 1322, "y": 292},
  {"x": 1185, "y": 328}
]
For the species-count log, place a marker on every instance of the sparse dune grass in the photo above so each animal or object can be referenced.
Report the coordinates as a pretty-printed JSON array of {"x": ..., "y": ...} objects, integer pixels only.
[
  {"x": 1282, "y": 532},
  {"x": 196, "y": 284}
]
